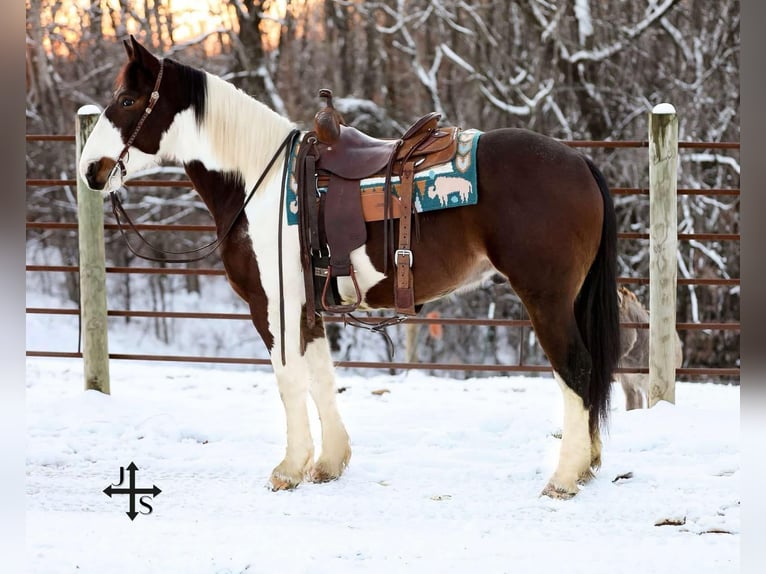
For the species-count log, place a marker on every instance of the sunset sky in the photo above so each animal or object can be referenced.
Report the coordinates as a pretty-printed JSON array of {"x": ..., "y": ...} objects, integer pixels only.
[{"x": 191, "y": 18}]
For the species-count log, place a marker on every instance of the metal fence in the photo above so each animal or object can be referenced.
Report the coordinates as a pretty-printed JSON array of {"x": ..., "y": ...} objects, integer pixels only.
[{"x": 694, "y": 372}]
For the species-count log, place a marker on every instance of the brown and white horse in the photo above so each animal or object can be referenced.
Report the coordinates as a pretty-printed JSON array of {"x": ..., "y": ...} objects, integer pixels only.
[{"x": 544, "y": 220}]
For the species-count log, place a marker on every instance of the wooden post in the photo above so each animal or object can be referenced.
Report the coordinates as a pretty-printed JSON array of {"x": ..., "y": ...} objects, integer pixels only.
[
  {"x": 663, "y": 246},
  {"x": 90, "y": 224}
]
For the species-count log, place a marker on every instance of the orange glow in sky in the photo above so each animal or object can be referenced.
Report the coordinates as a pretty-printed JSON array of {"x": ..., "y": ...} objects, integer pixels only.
[{"x": 190, "y": 18}]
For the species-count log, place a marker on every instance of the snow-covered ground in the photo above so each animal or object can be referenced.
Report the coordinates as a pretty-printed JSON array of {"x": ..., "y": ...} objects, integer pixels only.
[{"x": 445, "y": 477}]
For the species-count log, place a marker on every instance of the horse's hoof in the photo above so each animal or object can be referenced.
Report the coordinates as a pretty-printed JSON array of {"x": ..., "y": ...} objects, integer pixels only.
[
  {"x": 320, "y": 473},
  {"x": 558, "y": 492},
  {"x": 325, "y": 470},
  {"x": 284, "y": 479},
  {"x": 277, "y": 482}
]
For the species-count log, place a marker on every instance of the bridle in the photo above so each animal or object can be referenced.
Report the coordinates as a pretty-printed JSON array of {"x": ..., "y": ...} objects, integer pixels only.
[{"x": 153, "y": 99}]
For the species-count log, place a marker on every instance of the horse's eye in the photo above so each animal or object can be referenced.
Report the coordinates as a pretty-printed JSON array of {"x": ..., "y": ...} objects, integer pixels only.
[{"x": 127, "y": 102}]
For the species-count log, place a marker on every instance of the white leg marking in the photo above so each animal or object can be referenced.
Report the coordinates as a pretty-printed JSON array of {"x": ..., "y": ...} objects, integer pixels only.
[
  {"x": 299, "y": 454},
  {"x": 336, "y": 451},
  {"x": 366, "y": 276},
  {"x": 575, "y": 453}
]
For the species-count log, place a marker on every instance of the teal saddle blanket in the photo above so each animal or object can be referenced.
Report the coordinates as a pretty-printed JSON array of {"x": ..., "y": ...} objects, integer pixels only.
[{"x": 451, "y": 184}]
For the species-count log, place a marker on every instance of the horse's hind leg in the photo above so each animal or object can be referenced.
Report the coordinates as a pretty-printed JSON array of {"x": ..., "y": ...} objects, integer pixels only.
[
  {"x": 556, "y": 329},
  {"x": 336, "y": 451}
]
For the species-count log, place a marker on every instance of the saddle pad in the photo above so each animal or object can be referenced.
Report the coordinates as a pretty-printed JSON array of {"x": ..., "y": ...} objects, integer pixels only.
[{"x": 451, "y": 184}]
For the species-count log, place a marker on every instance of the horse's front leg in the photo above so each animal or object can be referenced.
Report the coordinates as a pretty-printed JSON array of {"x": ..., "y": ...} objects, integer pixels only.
[
  {"x": 336, "y": 451},
  {"x": 311, "y": 370},
  {"x": 292, "y": 379}
]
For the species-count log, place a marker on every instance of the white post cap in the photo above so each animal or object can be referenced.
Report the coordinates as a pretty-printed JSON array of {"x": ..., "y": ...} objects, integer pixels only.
[
  {"x": 88, "y": 110},
  {"x": 663, "y": 108}
]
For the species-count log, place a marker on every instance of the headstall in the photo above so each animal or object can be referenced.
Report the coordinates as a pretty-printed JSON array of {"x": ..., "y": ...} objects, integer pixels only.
[{"x": 153, "y": 99}]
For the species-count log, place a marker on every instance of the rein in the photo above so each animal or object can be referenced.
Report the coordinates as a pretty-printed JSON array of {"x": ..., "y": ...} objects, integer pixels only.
[{"x": 118, "y": 209}]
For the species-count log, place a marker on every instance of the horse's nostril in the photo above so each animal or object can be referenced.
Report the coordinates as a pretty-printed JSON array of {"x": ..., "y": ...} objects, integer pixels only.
[
  {"x": 91, "y": 175},
  {"x": 94, "y": 176}
]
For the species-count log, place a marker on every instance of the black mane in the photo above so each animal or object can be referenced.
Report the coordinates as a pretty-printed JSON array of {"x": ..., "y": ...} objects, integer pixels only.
[{"x": 194, "y": 83}]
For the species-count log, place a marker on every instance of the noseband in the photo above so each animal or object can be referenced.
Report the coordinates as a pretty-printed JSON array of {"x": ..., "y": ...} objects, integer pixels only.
[{"x": 153, "y": 98}]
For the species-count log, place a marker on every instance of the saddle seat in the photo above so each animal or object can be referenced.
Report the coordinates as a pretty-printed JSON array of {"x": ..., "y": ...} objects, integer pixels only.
[{"x": 356, "y": 155}]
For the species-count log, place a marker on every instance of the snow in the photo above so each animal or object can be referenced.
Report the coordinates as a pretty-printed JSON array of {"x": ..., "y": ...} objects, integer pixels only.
[
  {"x": 445, "y": 477},
  {"x": 89, "y": 110},
  {"x": 584, "y": 23},
  {"x": 663, "y": 108}
]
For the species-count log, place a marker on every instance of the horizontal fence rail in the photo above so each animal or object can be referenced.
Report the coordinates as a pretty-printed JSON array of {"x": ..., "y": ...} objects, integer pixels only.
[
  {"x": 211, "y": 229},
  {"x": 444, "y": 321},
  {"x": 578, "y": 143},
  {"x": 221, "y": 272},
  {"x": 719, "y": 372}
]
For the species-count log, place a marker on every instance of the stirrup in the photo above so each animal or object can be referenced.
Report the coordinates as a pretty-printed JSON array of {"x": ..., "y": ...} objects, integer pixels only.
[{"x": 341, "y": 308}]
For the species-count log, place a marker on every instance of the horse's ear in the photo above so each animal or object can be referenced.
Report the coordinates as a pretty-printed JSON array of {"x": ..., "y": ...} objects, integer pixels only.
[
  {"x": 128, "y": 48},
  {"x": 142, "y": 55}
]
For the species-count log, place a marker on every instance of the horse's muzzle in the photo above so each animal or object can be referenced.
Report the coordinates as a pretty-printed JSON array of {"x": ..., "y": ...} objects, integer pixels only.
[{"x": 97, "y": 175}]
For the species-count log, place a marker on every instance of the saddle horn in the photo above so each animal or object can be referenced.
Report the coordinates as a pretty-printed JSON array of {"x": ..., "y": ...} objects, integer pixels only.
[{"x": 328, "y": 120}]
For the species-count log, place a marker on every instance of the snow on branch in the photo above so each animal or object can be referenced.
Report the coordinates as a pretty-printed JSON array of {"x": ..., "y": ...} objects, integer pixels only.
[
  {"x": 686, "y": 274},
  {"x": 529, "y": 103},
  {"x": 596, "y": 55},
  {"x": 712, "y": 255},
  {"x": 584, "y": 23},
  {"x": 715, "y": 158},
  {"x": 549, "y": 26},
  {"x": 449, "y": 18},
  {"x": 486, "y": 32},
  {"x": 179, "y": 46},
  {"x": 550, "y": 104},
  {"x": 457, "y": 59}
]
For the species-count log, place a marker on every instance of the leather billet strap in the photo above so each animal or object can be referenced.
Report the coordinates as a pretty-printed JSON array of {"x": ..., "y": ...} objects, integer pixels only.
[{"x": 404, "y": 293}]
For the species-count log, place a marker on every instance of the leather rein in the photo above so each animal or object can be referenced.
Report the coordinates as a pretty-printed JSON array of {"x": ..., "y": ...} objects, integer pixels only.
[{"x": 206, "y": 250}]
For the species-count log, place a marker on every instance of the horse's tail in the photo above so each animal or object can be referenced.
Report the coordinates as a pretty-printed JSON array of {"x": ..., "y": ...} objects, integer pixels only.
[{"x": 597, "y": 312}]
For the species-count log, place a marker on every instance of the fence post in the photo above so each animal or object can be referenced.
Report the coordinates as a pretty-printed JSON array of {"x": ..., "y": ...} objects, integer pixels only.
[
  {"x": 663, "y": 246},
  {"x": 90, "y": 225}
]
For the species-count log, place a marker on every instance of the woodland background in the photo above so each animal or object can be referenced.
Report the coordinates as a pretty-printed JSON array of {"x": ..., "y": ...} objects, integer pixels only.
[{"x": 572, "y": 69}]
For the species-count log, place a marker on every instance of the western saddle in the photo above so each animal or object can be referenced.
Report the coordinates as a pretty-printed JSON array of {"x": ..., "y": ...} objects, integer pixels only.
[{"x": 336, "y": 157}]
